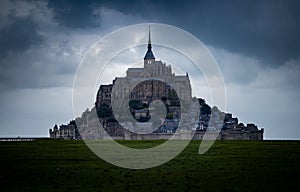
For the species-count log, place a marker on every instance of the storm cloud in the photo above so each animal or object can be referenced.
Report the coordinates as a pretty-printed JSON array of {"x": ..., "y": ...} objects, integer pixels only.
[
  {"x": 266, "y": 30},
  {"x": 256, "y": 44}
]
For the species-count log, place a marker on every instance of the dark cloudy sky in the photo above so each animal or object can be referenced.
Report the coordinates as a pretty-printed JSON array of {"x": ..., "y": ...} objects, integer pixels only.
[{"x": 256, "y": 44}]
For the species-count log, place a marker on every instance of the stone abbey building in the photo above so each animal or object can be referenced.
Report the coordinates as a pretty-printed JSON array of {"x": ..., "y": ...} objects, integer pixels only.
[
  {"x": 138, "y": 89},
  {"x": 153, "y": 82}
]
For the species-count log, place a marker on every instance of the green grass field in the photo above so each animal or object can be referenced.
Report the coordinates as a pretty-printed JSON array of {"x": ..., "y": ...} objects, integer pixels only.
[{"x": 53, "y": 165}]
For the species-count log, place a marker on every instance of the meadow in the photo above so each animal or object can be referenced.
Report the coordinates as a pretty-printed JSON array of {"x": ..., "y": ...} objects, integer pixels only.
[{"x": 57, "y": 165}]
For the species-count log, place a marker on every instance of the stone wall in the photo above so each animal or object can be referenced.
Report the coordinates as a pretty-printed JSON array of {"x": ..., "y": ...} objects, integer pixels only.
[{"x": 197, "y": 136}]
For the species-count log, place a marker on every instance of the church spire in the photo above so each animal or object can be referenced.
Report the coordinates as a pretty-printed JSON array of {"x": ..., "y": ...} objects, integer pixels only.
[
  {"x": 149, "y": 54},
  {"x": 149, "y": 38}
]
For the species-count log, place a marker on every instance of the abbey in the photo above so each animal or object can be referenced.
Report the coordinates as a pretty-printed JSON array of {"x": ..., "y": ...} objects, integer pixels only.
[{"x": 153, "y": 82}]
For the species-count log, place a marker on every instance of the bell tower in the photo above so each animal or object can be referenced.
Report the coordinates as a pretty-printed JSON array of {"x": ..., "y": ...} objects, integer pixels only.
[{"x": 149, "y": 57}]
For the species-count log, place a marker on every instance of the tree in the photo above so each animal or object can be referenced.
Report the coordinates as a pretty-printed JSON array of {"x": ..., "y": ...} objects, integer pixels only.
[
  {"x": 104, "y": 111},
  {"x": 205, "y": 109},
  {"x": 169, "y": 115},
  {"x": 136, "y": 104}
]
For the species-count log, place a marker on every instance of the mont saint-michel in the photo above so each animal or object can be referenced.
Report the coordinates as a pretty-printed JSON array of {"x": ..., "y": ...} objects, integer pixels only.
[{"x": 137, "y": 93}]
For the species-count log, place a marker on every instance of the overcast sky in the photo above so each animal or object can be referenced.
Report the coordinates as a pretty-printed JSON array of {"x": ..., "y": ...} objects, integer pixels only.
[{"x": 256, "y": 44}]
